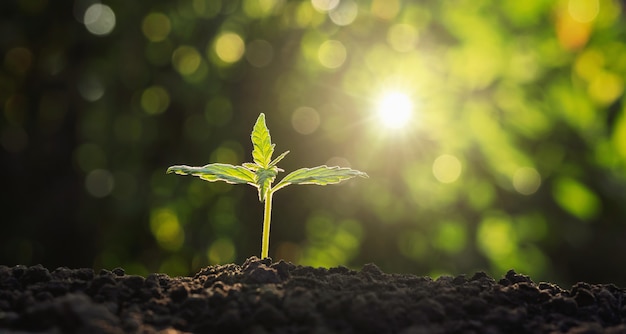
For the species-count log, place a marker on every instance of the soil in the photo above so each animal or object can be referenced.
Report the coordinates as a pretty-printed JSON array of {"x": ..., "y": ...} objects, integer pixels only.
[{"x": 264, "y": 297}]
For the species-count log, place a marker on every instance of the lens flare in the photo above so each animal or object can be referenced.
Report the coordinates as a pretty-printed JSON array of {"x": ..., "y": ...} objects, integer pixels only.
[{"x": 394, "y": 109}]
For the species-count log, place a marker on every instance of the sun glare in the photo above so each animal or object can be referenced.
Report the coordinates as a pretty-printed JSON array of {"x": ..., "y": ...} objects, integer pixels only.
[{"x": 394, "y": 109}]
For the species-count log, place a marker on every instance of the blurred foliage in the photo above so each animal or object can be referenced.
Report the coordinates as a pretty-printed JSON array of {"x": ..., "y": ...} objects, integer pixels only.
[{"x": 514, "y": 155}]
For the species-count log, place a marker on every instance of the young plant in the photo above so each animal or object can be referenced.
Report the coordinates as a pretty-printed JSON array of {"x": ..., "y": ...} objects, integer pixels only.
[{"x": 262, "y": 172}]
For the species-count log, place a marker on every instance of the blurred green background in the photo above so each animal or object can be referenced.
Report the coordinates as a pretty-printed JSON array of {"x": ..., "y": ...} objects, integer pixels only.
[{"x": 511, "y": 152}]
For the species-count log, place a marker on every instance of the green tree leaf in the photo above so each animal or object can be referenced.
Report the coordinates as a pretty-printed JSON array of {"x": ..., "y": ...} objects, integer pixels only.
[
  {"x": 262, "y": 143},
  {"x": 217, "y": 172},
  {"x": 320, "y": 175}
]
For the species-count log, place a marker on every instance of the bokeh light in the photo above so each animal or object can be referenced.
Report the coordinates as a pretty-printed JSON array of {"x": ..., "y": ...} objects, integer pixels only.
[
  {"x": 451, "y": 237},
  {"x": 155, "y": 100},
  {"x": 91, "y": 88},
  {"x": 186, "y": 60},
  {"x": 332, "y": 54},
  {"x": 165, "y": 226},
  {"x": 583, "y": 11},
  {"x": 325, "y": 5},
  {"x": 305, "y": 120},
  {"x": 526, "y": 180},
  {"x": 260, "y": 8},
  {"x": 99, "y": 19},
  {"x": 259, "y": 53},
  {"x": 494, "y": 133},
  {"x": 402, "y": 37},
  {"x": 229, "y": 47},
  {"x": 385, "y": 9},
  {"x": 221, "y": 251},
  {"x": 99, "y": 183},
  {"x": 156, "y": 27},
  {"x": 345, "y": 13},
  {"x": 447, "y": 168},
  {"x": 576, "y": 198}
]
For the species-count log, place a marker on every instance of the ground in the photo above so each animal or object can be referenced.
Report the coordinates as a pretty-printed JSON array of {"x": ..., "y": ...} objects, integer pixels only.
[{"x": 264, "y": 297}]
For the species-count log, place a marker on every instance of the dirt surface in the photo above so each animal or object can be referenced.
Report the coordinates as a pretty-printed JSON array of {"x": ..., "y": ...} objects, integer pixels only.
[{"x": 264, "y": 297}]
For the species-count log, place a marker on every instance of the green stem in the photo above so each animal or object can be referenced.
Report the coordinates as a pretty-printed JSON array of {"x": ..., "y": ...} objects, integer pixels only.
[{"x": 267, "y": 217}]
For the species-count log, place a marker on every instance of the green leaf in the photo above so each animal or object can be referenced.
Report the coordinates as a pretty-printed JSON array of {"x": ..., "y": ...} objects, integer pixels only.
[
  {"x": 278, "y": 159},
  {"x": 262, "y": 143},
  {"x": 217, "y": 172},
  {"x": 264, "y": 179},
  {"x": 320, "y": 175},
  {"x": 251, "y": 166}
]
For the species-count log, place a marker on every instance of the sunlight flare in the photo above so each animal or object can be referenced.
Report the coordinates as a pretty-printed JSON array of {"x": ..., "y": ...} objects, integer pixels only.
[{"x": 394, "y": 109}]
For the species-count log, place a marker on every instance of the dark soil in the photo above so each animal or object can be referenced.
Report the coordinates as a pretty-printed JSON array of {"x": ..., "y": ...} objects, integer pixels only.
[{"x": 264, "y": 297}]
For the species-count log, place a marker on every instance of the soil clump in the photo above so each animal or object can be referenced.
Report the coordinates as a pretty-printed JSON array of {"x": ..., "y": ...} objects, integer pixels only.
[{"x": 264, "y": 297}]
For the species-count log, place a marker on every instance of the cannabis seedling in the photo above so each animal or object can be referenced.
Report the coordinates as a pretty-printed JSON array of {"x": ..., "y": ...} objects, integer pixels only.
[{"x": 263, "y": 171}]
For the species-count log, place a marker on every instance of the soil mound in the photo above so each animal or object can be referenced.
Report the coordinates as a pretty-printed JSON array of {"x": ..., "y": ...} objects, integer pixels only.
[{"x": 264, "y": 297}]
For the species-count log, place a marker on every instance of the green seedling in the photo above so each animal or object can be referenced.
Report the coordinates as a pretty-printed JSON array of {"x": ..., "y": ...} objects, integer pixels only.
[{"x": 262, "y": 172}]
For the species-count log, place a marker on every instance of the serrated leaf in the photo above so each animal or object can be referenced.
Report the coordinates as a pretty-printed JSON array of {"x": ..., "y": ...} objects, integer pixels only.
[
  {"x": 320, "y": 175},
  {"x": 264, "y": 179},
  {"x": 251, "y": 166},
  {"x": 278, "y": 159},
  {"x": 262, "y": 143},
  {"x": 217, "y": 172}
]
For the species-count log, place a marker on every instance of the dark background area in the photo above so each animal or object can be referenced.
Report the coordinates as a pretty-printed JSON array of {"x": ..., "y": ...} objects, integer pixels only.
[{"x": 514, "y": 155}]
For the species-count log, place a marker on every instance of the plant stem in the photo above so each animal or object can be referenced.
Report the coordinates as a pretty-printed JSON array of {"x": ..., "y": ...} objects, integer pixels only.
[{"x": 267, "y": 217}]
